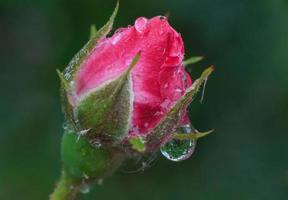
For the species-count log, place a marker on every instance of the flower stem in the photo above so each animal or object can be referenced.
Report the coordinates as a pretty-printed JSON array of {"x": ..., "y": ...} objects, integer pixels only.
[{"x": 66, "y": 189}]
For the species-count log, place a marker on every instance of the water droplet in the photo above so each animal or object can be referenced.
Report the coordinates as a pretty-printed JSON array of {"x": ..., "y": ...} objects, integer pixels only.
[
  {"x": 95, "y": 143},
  {"x": 178, "y": 90},
  {"x": 120, "y": 30},
  {"x": 100, "y": 181},
  {"x": 83, "y": 132},
  {"x": 85, "y": 188},
  {"x": 178, "y": 150},
  {"x": 116, "y": 38},
  {"x": 141, "y": 24},
  {"x": 166, "y": 104},
  {"x": 135, "y": 130},
  {"x": 65, "y": 126},
  {"x": 184, "y": 78}
]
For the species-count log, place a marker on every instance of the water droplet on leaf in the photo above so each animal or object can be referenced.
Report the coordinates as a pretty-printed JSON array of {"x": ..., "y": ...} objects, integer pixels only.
[{"x": 178, "y": 150}]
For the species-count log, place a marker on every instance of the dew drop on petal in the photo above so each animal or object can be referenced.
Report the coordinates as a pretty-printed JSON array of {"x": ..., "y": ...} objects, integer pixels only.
[
  {"x": 116, "y": 38},
  {"x": 141, "y": 25},
  {"x": 178, "y": 150},
  {"x": 165, "y": 104}
]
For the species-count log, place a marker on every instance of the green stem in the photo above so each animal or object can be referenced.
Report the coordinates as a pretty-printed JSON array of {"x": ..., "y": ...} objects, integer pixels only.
[{"x": 66, "y": 189}]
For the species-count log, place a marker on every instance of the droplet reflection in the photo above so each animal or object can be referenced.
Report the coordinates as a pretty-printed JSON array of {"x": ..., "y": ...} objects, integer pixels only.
[{"x": 178, "y": 150}]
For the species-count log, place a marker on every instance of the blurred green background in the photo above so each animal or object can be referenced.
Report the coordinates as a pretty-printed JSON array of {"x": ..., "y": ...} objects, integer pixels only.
[{"x": 246, "y": 99}]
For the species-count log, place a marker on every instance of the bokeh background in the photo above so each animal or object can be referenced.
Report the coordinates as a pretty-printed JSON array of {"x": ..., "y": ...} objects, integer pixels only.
[{"x": 246, "y": 99}]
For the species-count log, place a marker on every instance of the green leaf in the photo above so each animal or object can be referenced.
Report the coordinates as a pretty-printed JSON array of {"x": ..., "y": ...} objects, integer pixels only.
[
  {"x": 172, "y": 118},
  {"x": 107, "y": 110},
  {"x": 64, "y": 82},
  {"x": 190, "y": 136},
  {"x": 137, "y": 144},
  {"x": 93, "y": 31},
  {"x": 69, "y": 72},
  {"x": 67, "y": 108},
  {"x": 192, "y": 60}
]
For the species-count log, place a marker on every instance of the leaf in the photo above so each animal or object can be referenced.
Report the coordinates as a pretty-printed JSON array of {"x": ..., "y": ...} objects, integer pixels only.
[
  {"x": 107, "y": 110},
  {"x": 190, "y": 136},
  {"x": 137, "y": 144},
  {"x": 69, "y": 72},
  {"x": 64, "y": 82},
  {"x": 93, "y": 31},
  {"x": 192, "y": 60}
]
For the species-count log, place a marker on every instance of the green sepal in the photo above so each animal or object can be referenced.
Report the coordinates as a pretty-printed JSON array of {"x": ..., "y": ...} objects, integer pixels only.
[
  {"x": 192, "y": 60},
  {"x": 107, "y": 110},
  {"x": 69, "y": 72},
  {"x": 137, "y": 144},
  {"x": 64, "y": 82},
  {"x": 82, "y": 161},
  {"x": 93, "y": 31},
  {"x": 78, "y": 59},
  {"x": 190, "y": 136},
  {"x": 169, "y": 124},
  {"x": 66, "y": 106}
]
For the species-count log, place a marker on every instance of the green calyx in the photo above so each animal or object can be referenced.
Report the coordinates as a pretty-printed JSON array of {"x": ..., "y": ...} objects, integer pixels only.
[
  {"x": 69, "y": 72},
  {"x": 81, "y": 161},
  {"x": 82, "y": 164},
  {"x": 107, "y": 110}
]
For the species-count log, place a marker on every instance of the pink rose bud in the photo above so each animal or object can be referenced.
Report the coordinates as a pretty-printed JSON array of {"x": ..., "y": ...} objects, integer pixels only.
[
  {"x": 130, "y": 88},
  {"x": 124, "y": 96}
]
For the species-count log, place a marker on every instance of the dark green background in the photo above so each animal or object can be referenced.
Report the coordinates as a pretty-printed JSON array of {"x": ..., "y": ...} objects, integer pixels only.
[{"x": 246, "y": 99}]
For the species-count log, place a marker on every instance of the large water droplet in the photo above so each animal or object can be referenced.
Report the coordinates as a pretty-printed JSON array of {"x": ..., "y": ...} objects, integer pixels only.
[
  {"x": 85, "y": 188},
  {"x": 178, "y": 150},
  {"x": 141, "y": 24}
]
